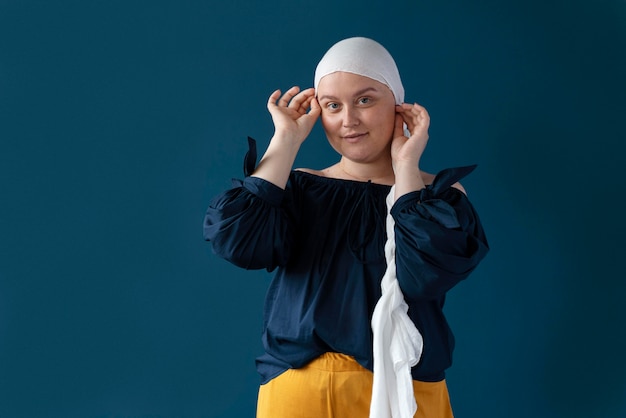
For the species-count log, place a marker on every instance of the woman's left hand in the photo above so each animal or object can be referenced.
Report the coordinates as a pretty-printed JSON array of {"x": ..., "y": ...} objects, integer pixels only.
[{"x": 409, "y": 150}]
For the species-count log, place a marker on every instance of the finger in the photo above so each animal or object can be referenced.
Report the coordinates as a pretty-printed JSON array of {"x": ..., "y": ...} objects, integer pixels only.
[
  {"x": 315, "y": 105},
  {"x": 271, "y": 101},
  {"x": 417, "y": 106},
  {"x": 404, "y": 107},
  {"x": 302, "y": 99},
  {"x": 422, "y": 117},
  {"x": 410, "y": 109},
  {"x": 405, "y": 114},
  {"x": 425, "y": 114},
  {"x": 314, "y": 108},
  {"x": 311, "y": 117},
  {"x": 309, "y": 92},
  {"x": 421, "y": 113},
  {"x": 398, "y": 129},
  {"x": 413, "y": 114},
  {"x": 304, "y": 106},
  {"x": 289, "y": 94}
]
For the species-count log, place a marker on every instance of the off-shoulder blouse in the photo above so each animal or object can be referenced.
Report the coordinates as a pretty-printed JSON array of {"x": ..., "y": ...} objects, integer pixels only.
[{"x": 324, "y": 239}]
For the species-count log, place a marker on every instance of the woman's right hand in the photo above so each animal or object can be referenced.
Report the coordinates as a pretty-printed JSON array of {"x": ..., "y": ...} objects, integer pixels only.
[
  {"x": 290, "y": 112},
  {"x": 293, "y": 122}
]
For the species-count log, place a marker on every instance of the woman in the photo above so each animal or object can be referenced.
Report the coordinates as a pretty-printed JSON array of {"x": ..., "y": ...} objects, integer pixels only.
[{"x": 324, "y": 233}]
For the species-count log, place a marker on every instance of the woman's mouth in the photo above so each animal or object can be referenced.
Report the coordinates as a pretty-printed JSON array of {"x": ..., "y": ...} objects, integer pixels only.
[{"x": 354, "y": 137}]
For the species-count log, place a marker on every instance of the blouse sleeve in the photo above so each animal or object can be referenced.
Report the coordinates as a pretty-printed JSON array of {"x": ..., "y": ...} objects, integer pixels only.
[
  {"x": 250, "y": 225},
  {"x": 439, "y": 237}
]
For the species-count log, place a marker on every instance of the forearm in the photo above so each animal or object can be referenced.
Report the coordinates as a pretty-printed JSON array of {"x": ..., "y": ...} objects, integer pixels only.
[
  {"x": 278, "y": 160},
  {"x": 408, "y": 178}
]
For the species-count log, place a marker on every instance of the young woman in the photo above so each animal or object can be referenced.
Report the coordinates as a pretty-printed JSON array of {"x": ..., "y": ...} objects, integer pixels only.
[{"x": 324, "y": 231}]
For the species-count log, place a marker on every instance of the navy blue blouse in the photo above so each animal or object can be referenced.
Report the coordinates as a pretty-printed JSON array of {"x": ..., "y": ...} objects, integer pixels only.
[{"x": 325, "y": 238}]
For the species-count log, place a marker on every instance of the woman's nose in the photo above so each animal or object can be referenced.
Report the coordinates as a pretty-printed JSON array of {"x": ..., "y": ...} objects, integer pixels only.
[{"x": 350, "y": 117}]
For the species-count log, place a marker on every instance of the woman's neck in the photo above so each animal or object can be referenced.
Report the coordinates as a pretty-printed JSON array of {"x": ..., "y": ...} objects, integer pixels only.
[{"x": 381, "y": 172}]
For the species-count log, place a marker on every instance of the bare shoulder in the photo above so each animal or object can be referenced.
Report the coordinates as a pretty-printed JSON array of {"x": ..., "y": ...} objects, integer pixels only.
[
  {"x": 428, "y": 179},
  {"x": 459, "y": 186},
  {"x": 330, "y": 172},
  {"x": 311, "y": 171}
]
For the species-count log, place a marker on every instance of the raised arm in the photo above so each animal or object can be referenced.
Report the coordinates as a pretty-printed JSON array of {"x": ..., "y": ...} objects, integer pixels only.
[
  {"x": 293, "y": 122},
  {"x": 406, "y": 152}
]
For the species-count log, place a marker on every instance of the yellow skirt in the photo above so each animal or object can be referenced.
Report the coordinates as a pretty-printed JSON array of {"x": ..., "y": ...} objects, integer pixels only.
[{"x": 335, "y": 385}]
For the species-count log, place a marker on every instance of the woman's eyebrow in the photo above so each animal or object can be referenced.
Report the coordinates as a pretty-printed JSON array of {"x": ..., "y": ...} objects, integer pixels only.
[
  {"x": 358, "y": 93},
  {"x": 365, "y": 90}
]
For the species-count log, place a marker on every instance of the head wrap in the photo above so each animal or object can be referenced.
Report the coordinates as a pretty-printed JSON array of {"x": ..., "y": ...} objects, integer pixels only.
[{"x": 362, "y": 56}]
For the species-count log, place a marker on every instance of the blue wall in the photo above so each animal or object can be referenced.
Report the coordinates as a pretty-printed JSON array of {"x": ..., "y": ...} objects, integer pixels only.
[{"x": 119, "y": 120}]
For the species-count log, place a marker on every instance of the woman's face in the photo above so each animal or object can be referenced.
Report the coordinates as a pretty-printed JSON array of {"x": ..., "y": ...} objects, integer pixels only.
[{"x": 358, "y": 116}]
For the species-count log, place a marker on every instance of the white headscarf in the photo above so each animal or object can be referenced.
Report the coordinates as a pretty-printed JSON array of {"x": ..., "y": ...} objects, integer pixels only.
[
  {"x": 397, "y": 342},
  {"x": 362, "y": 56}
]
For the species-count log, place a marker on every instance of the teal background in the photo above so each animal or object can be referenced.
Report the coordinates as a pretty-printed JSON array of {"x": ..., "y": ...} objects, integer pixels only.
[{"x": 119, "y": 120}]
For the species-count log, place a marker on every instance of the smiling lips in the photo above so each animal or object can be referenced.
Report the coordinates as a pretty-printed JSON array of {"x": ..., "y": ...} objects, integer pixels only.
[{"x": 354, "y": 137}]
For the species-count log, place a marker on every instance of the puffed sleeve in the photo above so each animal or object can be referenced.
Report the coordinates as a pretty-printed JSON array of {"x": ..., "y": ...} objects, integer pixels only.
[
  {"x": 439, "y": 237},
  {"x": 251, "y": 225}
]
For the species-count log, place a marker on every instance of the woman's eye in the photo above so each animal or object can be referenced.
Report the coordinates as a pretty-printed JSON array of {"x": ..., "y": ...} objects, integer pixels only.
[
  {"x": 332, "y": 106},
  {"x": 364, "y": 100}
]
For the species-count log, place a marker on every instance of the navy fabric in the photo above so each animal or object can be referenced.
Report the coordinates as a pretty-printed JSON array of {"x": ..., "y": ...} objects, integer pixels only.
[{"x": 325, "y": 238}]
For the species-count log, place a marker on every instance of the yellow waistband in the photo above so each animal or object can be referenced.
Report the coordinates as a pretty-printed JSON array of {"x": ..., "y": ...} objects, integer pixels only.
[{"x": 336, "y": 362}]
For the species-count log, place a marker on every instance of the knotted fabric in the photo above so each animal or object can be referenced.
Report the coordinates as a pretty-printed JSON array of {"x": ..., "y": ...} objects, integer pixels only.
[{"x": 397, "y": 342}]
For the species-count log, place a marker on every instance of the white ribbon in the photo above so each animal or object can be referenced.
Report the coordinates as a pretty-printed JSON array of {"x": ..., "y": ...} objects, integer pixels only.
[{"x": 397, "y": 342}]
